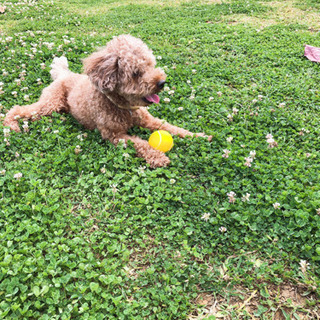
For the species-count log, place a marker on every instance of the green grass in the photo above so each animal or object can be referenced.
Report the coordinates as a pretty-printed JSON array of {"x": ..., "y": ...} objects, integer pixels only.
[{"x": 99, "y": 235}]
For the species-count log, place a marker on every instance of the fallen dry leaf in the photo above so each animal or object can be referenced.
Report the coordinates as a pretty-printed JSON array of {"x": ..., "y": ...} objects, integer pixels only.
[{"x": 312, "y": 53}]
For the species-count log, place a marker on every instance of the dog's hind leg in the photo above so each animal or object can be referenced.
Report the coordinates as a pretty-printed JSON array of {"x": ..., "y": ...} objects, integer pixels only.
[{"x": 52, "y": 99}]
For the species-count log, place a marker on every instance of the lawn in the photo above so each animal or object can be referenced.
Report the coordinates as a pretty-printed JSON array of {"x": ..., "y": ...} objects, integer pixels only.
[{"x": 230, "y": 230}]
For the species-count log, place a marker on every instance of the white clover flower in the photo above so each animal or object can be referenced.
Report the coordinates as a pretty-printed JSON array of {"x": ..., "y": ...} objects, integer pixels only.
[
  {"x": 206, "y": 216},
  {"x": 304, "y": 266},
  {"x": 171, "y": 92},
  {"x": 180, "y": 108},
  {"x": 56, "y": 131},
  {"x": 6, "y": 141},
  {"x": 77, "y": 150},
  {"x": 211, "y": 98},
  {"x": 318, "y": 211},
  {"x": 230, "y": 117},
  {"x": 246, "y": 197},
  {"x": 142, "y": 169},
  {"x": 18, "y": 175},
  {"x": 226, "y": 153},
  {"x": 172, "y": 181},
  {"x": 235, "y": 111},
  {"x": 126, "y": 155},
  {"x": 223, "y": 229},
  {"x": 166, "y": 100},
  {"x": 6, "y": 132},
  {"x": 260, "y": 97},
  {"x": 166, "y": 88},
  {"x": 282, "y": 104},
  {"x": 114, "y": 188},
  {"x": 3, "y": 171},
  {"x": 43, "y": 66},
  {"x": 192, "y": 97},
  {"x": 303, "y": 131},
  {"x": 33, "y": 114},
  {"x": 219, "y": 93},
  {"x": 248, "y": 161},
  {"x": 232, "y": 197},
  {"x": 123, "y": 142},
  {"x": 308, "y": 155},
  {"x": 229, "y": 139},
  {"x": 276, "y": 205},
  {"x": 26, "y": 97},
  {"x": 194, "y": 71},
  {"x": 254, "y": 101},
  {"x": 103, "y": 170},
  {"x": 188, "y": 81},
  {"x": 272, "y": 143},
  {"x": 252, "y": 154}
]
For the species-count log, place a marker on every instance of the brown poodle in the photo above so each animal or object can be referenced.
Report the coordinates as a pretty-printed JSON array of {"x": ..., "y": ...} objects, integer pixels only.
[{"x": 120, "y": 80}]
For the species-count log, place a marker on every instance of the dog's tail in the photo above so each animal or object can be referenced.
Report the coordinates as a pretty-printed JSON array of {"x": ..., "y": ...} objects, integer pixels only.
[{"x": 59, "y": 67}]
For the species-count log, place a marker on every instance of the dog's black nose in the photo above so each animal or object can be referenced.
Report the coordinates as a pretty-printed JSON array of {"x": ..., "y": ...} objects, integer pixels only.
[{"x": 160, "y": 84}]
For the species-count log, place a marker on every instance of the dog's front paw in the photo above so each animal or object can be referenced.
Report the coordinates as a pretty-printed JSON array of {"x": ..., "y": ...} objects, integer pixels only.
[
  {"x": 14, "y": 125},
  {"x": 160, "y": 161}
]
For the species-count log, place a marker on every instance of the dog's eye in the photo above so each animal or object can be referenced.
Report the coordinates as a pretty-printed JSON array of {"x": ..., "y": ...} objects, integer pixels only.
[{"x": 136, "y": 74}]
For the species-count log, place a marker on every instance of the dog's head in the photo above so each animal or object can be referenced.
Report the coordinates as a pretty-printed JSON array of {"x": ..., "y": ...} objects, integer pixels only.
[{"x": 125, "y": 71}]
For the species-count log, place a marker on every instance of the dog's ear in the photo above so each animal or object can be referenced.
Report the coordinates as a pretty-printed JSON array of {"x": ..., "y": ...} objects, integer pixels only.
[{"x": 102, "y": 69}]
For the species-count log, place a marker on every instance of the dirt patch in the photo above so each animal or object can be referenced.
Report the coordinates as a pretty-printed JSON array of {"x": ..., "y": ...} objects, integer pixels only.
[
  {"x": 212, "y": 1},
  {"x": 99, "y": 9},
  {"x": 286, "y": 301},
  {"x": 138, "y": 259},
  {"x": 283, "y": 12}
]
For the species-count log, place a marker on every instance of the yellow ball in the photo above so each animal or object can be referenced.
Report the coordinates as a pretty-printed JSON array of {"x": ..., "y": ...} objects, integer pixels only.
[{"x": 161, "y": 140}]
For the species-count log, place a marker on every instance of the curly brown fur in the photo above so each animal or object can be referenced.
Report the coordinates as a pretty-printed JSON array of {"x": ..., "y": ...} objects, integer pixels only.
[{"x": 119, "y": 81}]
